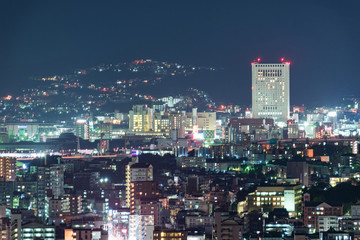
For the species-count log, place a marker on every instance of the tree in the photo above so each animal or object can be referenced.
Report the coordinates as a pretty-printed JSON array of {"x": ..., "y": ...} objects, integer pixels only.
[{"x": 278, "y": 213}]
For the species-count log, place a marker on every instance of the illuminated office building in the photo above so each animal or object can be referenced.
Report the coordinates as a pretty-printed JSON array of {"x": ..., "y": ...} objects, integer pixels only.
[
  {"x": 271, "y": 90},
  {"x": 282, "y": 196},
  {"x": 141, "y": 119}
]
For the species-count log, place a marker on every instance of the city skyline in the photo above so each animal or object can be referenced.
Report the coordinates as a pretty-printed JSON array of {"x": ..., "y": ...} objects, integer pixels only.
[{"x": 176, "y": 120}]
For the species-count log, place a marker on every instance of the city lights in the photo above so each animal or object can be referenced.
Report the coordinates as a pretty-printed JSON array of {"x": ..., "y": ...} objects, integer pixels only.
[{"x": 244, "y": 123}]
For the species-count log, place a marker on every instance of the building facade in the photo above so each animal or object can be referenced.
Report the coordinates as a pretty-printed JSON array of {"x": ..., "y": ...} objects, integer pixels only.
[
  {"x": 289, "y": 197},
  {"x": 312, "y": 211},
  {"x": 271, "y": 90},
  {"x": 169, "y": 234},
  {"x": 7, "y": 169}
]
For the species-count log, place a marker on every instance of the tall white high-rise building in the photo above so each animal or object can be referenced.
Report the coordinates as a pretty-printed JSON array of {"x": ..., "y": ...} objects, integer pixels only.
[{"x": 271, "y": 90}]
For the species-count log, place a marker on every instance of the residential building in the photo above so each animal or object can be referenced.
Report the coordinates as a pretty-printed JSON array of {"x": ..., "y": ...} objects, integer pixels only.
[
  {"x": 7, "y": 169},
  {"x": 137, "y": 172},
  {"x": 332, "y": 234},
  {"x": 327, "y": 222},
  {"x": 312, "y": 210},
  {"x": 228, "y": 227}
]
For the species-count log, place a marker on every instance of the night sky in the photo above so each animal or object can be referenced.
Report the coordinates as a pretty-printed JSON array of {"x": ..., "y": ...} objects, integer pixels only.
[{"x": 320, "y": 38}]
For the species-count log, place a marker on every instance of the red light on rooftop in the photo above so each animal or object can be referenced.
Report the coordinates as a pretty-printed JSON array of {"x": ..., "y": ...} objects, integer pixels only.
[
  {"x": 259, "y": 59},
  {"x": 282, "y": 59}
]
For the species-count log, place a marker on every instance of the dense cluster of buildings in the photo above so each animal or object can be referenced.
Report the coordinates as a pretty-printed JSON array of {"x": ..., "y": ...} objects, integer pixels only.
[{"x": 170, "y": 169}]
